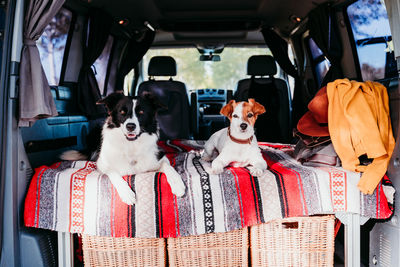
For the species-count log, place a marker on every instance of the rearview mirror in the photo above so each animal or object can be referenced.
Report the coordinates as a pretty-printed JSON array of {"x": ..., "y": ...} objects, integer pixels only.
[{"x": 210, "y": 57}]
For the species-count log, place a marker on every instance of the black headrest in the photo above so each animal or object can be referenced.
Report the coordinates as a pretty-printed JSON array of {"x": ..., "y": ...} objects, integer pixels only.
[
  {"x": 261, "y": 65},
  {"x": 162, "y": 66}
]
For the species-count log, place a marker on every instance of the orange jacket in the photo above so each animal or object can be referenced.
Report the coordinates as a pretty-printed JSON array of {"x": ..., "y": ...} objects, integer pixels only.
[{"x": 359, "y": 123}]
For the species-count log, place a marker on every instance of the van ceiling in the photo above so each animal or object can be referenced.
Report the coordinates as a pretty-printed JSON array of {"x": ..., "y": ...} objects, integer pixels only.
[{"x": 195, "y": 19}]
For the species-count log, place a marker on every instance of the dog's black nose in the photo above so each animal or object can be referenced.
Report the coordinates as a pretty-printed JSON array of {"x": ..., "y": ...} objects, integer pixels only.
[
  {"x": 131, "y": 127},
  {"x": 243, "y": 126}
]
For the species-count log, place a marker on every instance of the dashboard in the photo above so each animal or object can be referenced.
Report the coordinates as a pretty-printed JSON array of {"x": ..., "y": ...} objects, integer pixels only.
[{"x": 209, "y": 103}]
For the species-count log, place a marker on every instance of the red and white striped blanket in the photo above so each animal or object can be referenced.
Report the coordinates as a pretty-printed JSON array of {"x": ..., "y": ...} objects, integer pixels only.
[{"x": 74, "y": 197}]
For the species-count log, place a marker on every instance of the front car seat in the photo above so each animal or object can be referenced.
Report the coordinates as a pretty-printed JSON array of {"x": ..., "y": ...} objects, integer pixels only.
[
  {"x": 174, "y": 119},
  {"x": 273, "y": 93}
]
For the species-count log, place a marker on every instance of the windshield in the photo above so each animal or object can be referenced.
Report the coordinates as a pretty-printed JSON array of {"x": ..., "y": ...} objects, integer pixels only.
[{"x": 198, "y": 74}]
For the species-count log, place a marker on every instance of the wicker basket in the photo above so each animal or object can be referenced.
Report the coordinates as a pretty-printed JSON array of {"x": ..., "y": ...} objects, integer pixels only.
[
  {"x": 215, "y": 249},
  {"x": 300, "y": 241},
  {"x": 112, "y": 251}
]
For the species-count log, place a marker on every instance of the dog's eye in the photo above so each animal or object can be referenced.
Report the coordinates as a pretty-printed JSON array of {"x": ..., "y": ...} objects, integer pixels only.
[
  {"x": 141, "y": 112},
  {"x": 249, "y": 115},
  {"x": 122, "y": 112},
  {"x": 235, "y": 116}
]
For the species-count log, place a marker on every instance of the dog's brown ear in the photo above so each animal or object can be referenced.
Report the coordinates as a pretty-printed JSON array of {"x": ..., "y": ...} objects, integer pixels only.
[
  {"x": 227, "y": 110},
  {"x": 110, "y": 101},
  {"x": 257, "y": 107}
]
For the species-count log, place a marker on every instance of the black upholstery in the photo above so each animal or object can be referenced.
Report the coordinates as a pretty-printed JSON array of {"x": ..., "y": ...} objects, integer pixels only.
[
  {"x": 261, "y": 66},
  {"x": 162, "y": 66},
  {"x": 273, "y": 94},
  {"x": 174, "y": 120}
]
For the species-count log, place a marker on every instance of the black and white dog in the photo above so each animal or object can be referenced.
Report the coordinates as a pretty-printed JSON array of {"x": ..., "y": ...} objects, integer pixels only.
[{"x": 129, "y": 144}]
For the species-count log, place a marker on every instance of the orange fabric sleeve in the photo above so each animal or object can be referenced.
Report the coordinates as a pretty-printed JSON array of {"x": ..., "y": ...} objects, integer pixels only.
[{"x": 359, "y": 123}]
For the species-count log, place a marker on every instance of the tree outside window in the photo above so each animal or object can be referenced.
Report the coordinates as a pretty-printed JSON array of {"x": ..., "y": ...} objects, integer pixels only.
[{"x": 51, "y": 45}]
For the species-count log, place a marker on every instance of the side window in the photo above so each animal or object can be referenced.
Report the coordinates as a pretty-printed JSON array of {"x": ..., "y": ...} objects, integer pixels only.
[
  {"x": 290, "y": 78},
  {"x": 100, "y": 66},
  {"x": 319, "y": 62},
  {"x": 373, "y": 39},
  {"x": 51, "y": 45},
  {"x": 128, "y": 82}
]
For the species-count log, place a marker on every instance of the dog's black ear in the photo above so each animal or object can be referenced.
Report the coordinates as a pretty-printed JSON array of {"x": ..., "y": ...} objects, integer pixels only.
[
  {"x": 153, "y": 100},
  {"x": 111, "y": 101}
]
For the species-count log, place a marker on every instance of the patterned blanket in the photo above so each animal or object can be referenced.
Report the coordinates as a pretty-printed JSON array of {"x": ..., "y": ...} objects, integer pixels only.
[{"x": 74, "y": 197}]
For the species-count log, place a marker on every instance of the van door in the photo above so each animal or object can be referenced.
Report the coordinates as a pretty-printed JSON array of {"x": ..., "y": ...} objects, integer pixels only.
[
  {"x": 3, "y": 10},
  {"x": 8, "y": 92}
]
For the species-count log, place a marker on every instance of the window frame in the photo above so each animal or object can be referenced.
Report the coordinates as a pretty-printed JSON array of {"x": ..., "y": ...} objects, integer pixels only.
[
  {"x": 144, "y": 71},
  {"x": 67, "y": 46}
]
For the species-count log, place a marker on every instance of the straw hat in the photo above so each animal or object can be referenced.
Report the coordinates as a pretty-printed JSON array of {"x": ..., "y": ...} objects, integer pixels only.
[{"x": 315, "y": 121}]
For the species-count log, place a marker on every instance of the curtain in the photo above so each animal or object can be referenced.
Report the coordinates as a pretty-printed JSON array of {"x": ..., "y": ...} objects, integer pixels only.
[
  {"x": 279, "y": 49},
  {"x": 95, "y": 41},
  {"x": 35, "y": 99},
  {"x": 393, "y": 10},
  {"x": 114, "y": 60},
  {"x": 323, "y": 31},
  {"x": 135, "y": 50}
]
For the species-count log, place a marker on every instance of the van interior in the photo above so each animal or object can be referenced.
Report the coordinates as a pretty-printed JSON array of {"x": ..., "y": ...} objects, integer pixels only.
[{"x": 195, "y": 56}]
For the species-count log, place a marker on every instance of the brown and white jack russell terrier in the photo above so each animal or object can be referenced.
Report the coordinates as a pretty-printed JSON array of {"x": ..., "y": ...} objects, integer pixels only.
[{"x": 237, "y": 144}]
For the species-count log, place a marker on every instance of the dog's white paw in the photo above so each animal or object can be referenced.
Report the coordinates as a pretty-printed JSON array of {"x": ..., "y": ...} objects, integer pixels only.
[
  {"x": 217, "y": 167},
  {"x": 126, "y": 194},
  {"x": 256, "y": 171},
  {"x": 178, "y": 189}
]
